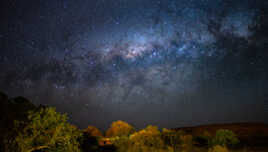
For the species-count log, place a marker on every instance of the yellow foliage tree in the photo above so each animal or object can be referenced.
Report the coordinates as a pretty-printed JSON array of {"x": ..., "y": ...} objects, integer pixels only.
[
  {"x": 148, "y": 138},
  {"x": 120, "y": 128}
]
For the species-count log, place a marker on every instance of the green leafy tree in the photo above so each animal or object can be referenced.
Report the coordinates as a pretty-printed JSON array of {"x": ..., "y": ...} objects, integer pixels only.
[
  {"x": 225, "y": 138},
  {"x": 45, "y": 130},
  {"x": 120, "y": 128}
]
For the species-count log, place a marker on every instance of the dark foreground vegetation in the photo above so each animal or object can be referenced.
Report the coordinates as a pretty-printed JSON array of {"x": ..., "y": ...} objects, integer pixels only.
[{"x": 27, "y": 128}]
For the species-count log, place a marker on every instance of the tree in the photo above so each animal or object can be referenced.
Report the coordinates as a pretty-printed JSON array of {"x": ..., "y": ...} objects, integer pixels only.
[
  {"x": 45, "y": 130},
  {"x": 147, "y": 139},
  {"x": 172, "y": 138},
  {"x": 225, "y": 138},
  {"x": 120, "y": 128},
  {"x": 90, "y": 139},
  {"x": 92, "y": 131},
  {"x": 122, "y": 144}
]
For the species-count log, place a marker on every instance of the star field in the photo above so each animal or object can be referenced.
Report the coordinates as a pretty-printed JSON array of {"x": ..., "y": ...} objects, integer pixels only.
[{"x": 170, "y": 63}]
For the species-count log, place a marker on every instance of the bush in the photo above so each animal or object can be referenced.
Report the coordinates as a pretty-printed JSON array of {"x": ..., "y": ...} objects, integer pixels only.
[
  {"x": 203, "y": 140},
  {"x": 218, "y": 148},
  {"x": 146, "y": 140},
  {"x": 187, "y": 143},
  {"x": 172, "y": 138},
  {"x": 45, "y": 130},
  {"x": 120, "y": 128},
  {"x": 225, "y": 138}
]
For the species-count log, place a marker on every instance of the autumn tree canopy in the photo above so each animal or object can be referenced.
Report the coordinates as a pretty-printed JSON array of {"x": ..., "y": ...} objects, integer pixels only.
[
  {"x": 120, "y": 128},
  {"x": 93, "y": 131},
  {"x": 148, "y": 137}
]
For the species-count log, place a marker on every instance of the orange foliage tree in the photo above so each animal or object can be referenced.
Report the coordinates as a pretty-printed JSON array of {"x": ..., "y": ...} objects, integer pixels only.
[{"x": 92, "y": 131}]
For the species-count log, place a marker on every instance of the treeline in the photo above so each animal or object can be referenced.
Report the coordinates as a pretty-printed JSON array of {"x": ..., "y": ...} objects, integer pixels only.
[{"x": 27, "y": 128}]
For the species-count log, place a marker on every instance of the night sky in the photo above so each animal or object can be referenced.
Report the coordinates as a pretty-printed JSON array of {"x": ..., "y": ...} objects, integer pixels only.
[{"x": 169, "y": 63}]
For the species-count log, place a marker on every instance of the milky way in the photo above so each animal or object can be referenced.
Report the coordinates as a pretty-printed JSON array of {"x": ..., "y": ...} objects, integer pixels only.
[{"x": 170, "y": 63}]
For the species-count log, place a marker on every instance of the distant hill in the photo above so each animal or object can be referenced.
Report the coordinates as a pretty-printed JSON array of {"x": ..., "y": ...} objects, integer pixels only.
[{"x": 252, "y": 134}]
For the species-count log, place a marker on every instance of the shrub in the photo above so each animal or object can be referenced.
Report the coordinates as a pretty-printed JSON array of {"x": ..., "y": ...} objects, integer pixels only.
[
  {"x": 172, "y": 138},
  {"x": 187, "y": 143},
  {"x": 120, "y": 128},
  {"x": 203, "y": 140},
  {"x": 146, "y": 140},
  {"x": 225, "y": 138},
  {"x": 218, "y": 148}
]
